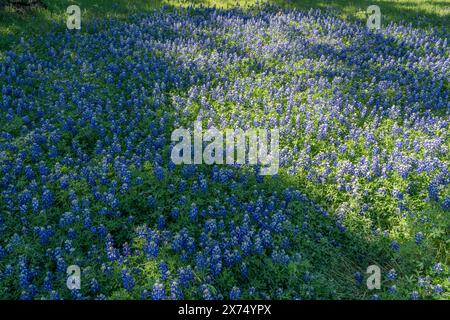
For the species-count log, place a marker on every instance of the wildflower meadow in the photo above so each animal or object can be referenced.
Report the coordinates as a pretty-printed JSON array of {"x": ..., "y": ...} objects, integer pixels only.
[{"x": 120, "y": 176}]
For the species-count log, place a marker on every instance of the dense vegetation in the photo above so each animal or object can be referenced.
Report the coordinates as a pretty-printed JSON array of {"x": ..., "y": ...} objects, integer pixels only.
[{"x": 86, "y": 118}]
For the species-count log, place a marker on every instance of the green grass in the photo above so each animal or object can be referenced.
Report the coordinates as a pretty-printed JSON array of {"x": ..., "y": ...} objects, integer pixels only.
[{"x": 21, "y": 23}]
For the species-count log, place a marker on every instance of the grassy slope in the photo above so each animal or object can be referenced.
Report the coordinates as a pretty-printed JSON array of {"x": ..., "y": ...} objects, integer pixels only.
[{"x": 15, "y": 24}]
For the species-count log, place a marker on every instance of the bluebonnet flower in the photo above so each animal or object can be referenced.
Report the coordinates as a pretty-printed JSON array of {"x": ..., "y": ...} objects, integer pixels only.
[
  {"x": 235, "y": 293},
  {"x": 47, "y": 199},
  {"x": 60, "y": 262},
  {"x": 437, "y": 268},
  {"x": 433, "y": 191},
  {"x": 206, "y": 292},
  {"x": 193, "y": 212},
  {"x": 203, "y": 185},
  {"x": 64, "y": 182},
  {"x": 24, "y": 275},
  {"x": 175, "y": 212},
  {"x": 158, "y": 292},
  {"x": 446, "y": 203},
  {"x": 394, "y": 245},
  {"x": 2, "y": 253},
  {"x": 54, "y": 295},
  {"x": 145, "y": 294},
  {"x": 279, "y": 293},
  {"x": 72, "y": 234},
  {"x": 126, "y": 250},
  {"x": 53, "y": 152},
  {"x": 307, "y": 277},
  {"x": 175, "y": 291},
  {"x": 182, "y": 200},
  {"x": 185, "y": 276},
  {"x": 35, "y": 205},
  {"x": 280, "y": 257},
  {"x": 112, "y": 253},
  {"x": 161, "y": 222},
  {"x": 392, "y": 275},
  {"x": 194, "y": 187},
  {"x": 95, "y": 287},
  {"x": 151, "y": 249},
  {"x": 44, "y": 234},
  {"x": 359, "y": 278},
  {"x": 151, "y": 202},
  {"x": 76, "y": 294},
  {"x": 29, "y": 173},
  {"x": 159, "y": 173},
  {"x": 392, "y": 289},
  {"x": 419, "y": 237},
  {"x": 182, "y": 185},
  {"x": 102, "y": 231},
  {"x": 127, "y": 280},
  {"x": 438, "y": 289},
  {"x": 424, "y": 282},
  {"x": 415, "y": 295},
  {"x": 164, "y": 270}
]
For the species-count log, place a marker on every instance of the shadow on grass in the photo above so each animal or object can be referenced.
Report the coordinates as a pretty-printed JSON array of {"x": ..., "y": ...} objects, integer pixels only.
[
  {"x": 417, "y": 12},
  {"x": 324, "y": 257},
  {"x": 14, "y": 23}
]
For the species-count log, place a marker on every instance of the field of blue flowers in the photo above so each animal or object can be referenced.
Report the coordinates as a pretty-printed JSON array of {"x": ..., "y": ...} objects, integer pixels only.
[{"x": 86, "y": 177}]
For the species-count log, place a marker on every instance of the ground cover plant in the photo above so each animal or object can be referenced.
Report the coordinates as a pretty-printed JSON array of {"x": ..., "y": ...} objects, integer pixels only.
[{"x": 86, "y": 176}]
